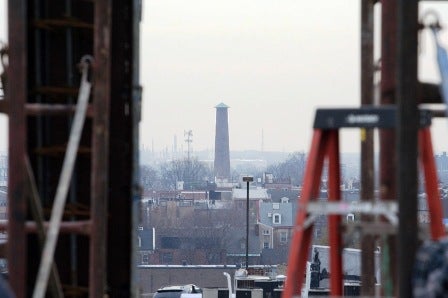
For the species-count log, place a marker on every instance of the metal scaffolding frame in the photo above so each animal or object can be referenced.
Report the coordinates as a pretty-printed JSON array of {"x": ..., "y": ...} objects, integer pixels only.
[{"x": 46, "y": 39}]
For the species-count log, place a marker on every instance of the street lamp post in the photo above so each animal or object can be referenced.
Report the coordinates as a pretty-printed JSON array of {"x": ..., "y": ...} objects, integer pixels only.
[{"x": 247, "y": 179}]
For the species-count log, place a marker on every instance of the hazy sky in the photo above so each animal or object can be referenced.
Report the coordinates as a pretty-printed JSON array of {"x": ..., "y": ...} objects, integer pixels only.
[{"x": 272, "y": 61}]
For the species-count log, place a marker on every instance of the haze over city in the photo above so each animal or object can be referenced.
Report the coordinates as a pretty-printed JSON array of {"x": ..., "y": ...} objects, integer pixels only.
[{"x": 272, "y": 62}]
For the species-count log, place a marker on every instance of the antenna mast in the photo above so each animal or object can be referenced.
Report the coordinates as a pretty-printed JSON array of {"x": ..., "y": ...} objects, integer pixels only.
[{"x": 189, "y": 139}]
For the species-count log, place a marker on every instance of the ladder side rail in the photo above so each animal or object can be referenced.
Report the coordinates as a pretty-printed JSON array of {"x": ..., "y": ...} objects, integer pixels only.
[
  {"x": 431, "y": 184},
  {"x": 334, "y": 220},
  {"x": 301, "y": 239}
]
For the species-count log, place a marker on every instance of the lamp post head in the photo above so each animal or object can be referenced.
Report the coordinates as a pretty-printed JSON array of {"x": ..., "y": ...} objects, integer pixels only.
[{"x": 248, "y": 178}]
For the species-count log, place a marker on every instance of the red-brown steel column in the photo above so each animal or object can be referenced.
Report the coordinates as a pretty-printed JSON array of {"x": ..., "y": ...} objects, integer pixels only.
[
  {"x": 16, "y": 92},
  {"x": 367, "y": 152},
  {"x": 334, "y": 221},
  {"x": 431, "y": 184},
  {"x": 387, "y": 137},
  {"x": 100, "y": 146},
  {"x": 301, "y": 239}
]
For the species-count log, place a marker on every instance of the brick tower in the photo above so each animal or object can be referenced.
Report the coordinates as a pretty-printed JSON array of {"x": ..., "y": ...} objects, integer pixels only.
[{"x": 222, "y": 155}]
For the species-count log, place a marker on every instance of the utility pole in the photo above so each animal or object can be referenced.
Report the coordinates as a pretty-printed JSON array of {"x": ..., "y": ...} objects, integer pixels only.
[{"x": 247, "y": 179}]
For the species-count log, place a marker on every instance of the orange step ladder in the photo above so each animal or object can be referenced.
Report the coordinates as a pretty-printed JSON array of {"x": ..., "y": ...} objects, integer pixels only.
[{"x": 325, "y": 144}]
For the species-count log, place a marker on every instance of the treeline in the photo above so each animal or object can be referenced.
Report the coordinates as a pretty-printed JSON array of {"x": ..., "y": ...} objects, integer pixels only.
[{"x": 197, "y": 175}]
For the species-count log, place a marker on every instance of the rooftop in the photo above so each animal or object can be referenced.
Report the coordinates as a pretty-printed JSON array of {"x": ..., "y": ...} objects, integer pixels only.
[{"x": 222, "y": 106}]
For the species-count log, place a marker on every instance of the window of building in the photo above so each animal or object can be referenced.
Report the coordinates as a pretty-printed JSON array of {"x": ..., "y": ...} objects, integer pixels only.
[
  {"x": 266, "y": 245},
  {"x": 276, "y": 218},
  {"x": 170, "y": 242},
  {"x": 167, "y": 258},
  {"x": 283, "y": 237},
  {"x": 350, "y": 217},
  {"x": 266, "y": 232},
  {"x": 145, "y": 259},
  {"x": 275, "y": 206}
]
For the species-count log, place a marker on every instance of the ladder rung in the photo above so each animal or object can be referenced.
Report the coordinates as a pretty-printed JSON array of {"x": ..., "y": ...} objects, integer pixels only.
[
  {"x": 74, "y": 291},
  {"x": 375, "y": 208},
  {"x": 56, "y": 90},
  {"x": 59, "y": 150},
  {"x": 76, "y": 209},
  {"x": 316, "y": 208},
  {"x": 370, "y": 228},
  {"x": 65, "y": 22},
  {"x": 81, "y": 227},
  {"x": 35, "y": 109}
]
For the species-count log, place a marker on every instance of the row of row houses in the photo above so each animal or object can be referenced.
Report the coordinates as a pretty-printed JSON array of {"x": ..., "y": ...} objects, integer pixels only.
[
  {"x": 209, "y": 227},
  {"x": 206, "y": 228}
]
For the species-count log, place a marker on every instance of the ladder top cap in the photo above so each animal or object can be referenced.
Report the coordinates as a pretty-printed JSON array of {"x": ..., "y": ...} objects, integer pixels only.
[{"x": 363, "y": 117}]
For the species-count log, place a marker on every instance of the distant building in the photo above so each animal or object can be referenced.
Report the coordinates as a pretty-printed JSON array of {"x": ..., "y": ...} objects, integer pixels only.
[
  {"x": 277, "y": 195},
  {"x": 276, "y": 223},
  {"x": 145, "y": 245},
  {"x": 222, "y": 153},
  {"x": 3, "y": 170},
  {"x": 442, "y": 167},
  {"x": 3, "y": 204},
  {"x": 271, "y": 182},
  {"x": 239, "y": 197}
]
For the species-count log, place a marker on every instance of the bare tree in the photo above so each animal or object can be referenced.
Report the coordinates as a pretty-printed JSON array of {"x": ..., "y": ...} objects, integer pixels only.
[
  {"x": 293, "y": 168},
  {"x": 149, "y": 177},
  {"x": 191, "y": 171}
]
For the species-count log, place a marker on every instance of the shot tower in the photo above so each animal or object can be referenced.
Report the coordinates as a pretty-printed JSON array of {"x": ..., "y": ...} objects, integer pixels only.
[{"x": 222, "y": 156}]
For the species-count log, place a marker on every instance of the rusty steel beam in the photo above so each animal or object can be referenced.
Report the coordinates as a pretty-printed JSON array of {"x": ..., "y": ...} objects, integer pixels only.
[
  {"x": 100, "y": 146},
  {"x": 17, "y": 95},
  {"x": 81, "y": 227},
  {"x": 407, "y": 141},
  {"x": 66, "y": 22},
  {"x": 367, "y": 148},
  {"x": 37, "y": 109}
]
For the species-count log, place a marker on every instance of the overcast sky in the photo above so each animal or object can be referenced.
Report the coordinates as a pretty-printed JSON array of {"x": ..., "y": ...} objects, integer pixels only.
[{"x": 272, "y": 61}]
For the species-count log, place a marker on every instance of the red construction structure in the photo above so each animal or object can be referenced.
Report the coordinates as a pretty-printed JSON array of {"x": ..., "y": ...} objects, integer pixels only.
[{"x": 325, "y": 145}]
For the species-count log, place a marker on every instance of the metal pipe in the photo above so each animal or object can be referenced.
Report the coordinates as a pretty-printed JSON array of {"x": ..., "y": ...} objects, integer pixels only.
[
  {"x": 407, "y": 140},
  {"x": 63, "y": 185},
  {"x": 73, "y": 183},
  {"x": 387, "y": 137}
]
